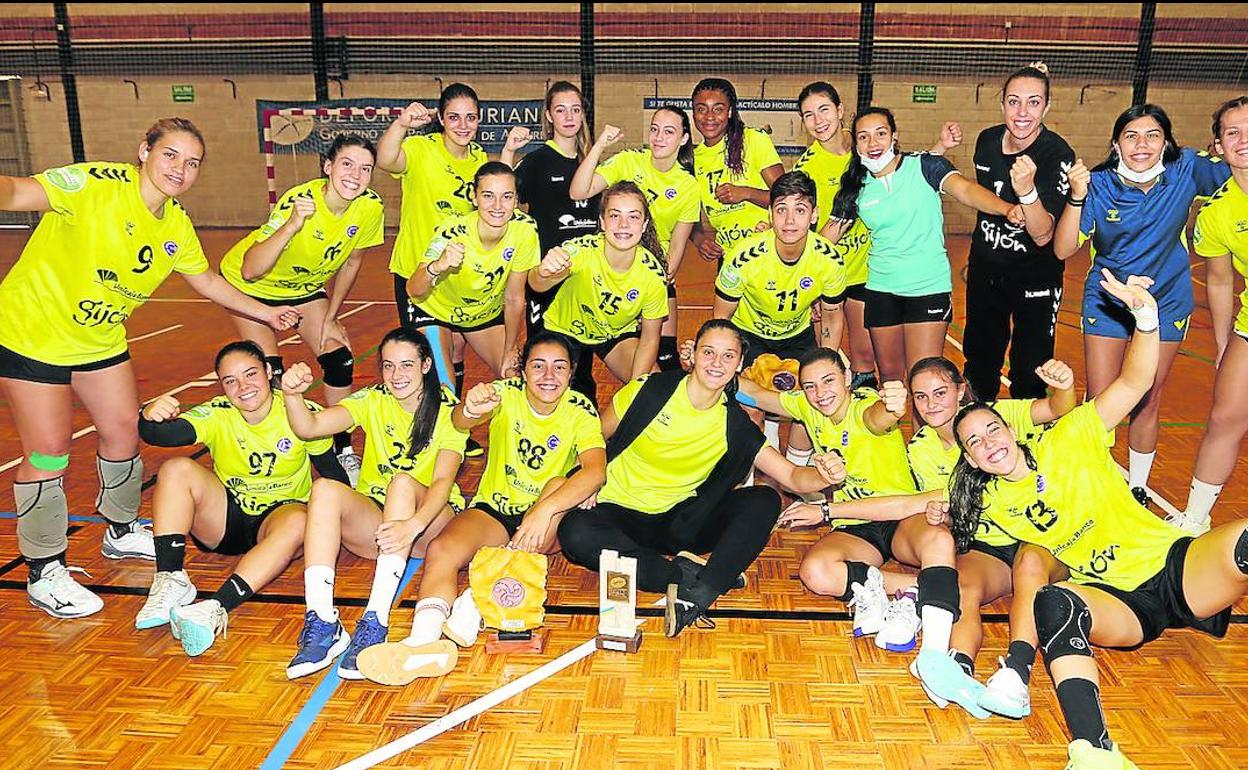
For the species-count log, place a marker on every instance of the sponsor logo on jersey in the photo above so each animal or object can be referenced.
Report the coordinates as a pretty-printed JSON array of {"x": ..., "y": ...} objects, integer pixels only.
[
  {"x": 1037, "y": 294},
  {"x": 730, "y": 277},
  {"x": 844, "y": 438},
  {"x": 632, "y": 295},
  {"x": 557, "y": 178},
  {"x": 69, "y": 179},
  {"x": 171, "y": 248},
  {"x": 981, "y": 168},
  {"x": 129, "y": 228},
  {"x": 285, "y": 445},
  {"x": 552, "y": 443},
  {"x": 1112, "y": 216},
  {"x": 1041, "y": 485},
  {"x": 106, "y": 276},
  {"x": 508, "y": 253},
  {"x": 1091, "y": 321},
  {"x": 670, "y": 193},
  {"x": 806, "y": 282},
  {"x": 1241, "y": 226},
  {"x": 352, "y": 230}
]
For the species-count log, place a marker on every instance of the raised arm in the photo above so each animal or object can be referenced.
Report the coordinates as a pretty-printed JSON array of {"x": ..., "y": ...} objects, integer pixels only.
[
  {"x": 587, "y": 182},
  {"x": 477, "y": 407},
  {"x": 552, "y": 271},
  {"x": 1037, "y": 220},
  {"x": 1139, "y": 366},
  {"x": 160, "y": 424},
  {"x": 883, "y": 415},
  {"x": 828, "y": 470},
  {"x": 1061, "y": 398},
  {"x": 517, "y": 138},
  {"x": 1066, "y": 236},
  {"x": 22, "y": 193},
  {"x": 307, "y": 424},
  {"x": 390, "y": 155},
  {"x": 263, "y": 255}
]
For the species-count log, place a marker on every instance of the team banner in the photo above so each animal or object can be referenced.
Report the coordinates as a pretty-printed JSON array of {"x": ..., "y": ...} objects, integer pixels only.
[{"x": 777, "y": 117}]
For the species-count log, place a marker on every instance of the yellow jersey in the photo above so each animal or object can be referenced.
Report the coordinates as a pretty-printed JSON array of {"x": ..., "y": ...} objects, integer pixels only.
[
  {"x": 826, "y": 168},
  {"x": 528, "y": 449},
  {"x": 96, "y": 256},
  {"x": 260, "y": 465},
  {"x": 474, "y": 293},
  {"x": 388, "y": 431},
  {"x": 1222, "y": 228},
  {"x": 314, "y": 254},
  {"x": 435, "y": 185},
  {"x": 1078, "y": 506},
  {"x": 671, "y": 195},
  {"x": 773, "y": 296},
  {"x": 595, "y": 304},
  {"x": 734, "y": 221}
]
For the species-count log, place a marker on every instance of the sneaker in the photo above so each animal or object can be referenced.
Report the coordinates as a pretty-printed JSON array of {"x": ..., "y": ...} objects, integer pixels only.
[
  {"x": 690, "y": 565},
  {"x": 473, "y": 448},
  {"x": 944, "y": 680},
  {"x": 319, "y": 643},
  {"x": 397, "y": 664},
  {"x": 169, "y": 590},
  {"x": 1085, "y": 756},
  {"x": 350, "y": 463},
  {"x": 1006, "y": 694},
  {"x": 58, "y": 594},
  {"x": 137, "y": 543},
  {"x": 368, "y": 632},
  {"x": 464, "y": 622},
  {"x": 679, "y": 614},
  {"x": 198, "y": 625},
  {"x": 870, "y": 604},
  {"x": 901, "y": 626},
  {"x": 1141, "y": 496},
  {"x": 1188, "y": 523},
  {"x": 914, "y": 672}
]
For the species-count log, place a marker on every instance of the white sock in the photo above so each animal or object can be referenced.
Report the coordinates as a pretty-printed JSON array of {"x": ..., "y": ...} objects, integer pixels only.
[
  {"x": 1200, "y": 499},
  {"x": 771, "y": 429},
  {"x": 427, "y": 623},
  {"x": 318, "y": 591},
  {"x": 385, "y": 584},
  {"x": 1139, "y": 466},
  {"x": 799, "y": 457},
  {"x": 937, "y": 628},
  {"x": 749, "y": 480}
]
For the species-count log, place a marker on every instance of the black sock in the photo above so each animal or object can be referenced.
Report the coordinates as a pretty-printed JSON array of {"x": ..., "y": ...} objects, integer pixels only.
[
  {"x": 965, "y": 661},
  {"x": 669, "y": 354},
  {"x": 279, "y": 367},
  {"x": 117, "y": 530},
  {"x": 233, "y": 592},
  {"x": 341, "y": 441},
  {"x": 35, "y": 566},
  {"x": 855, "y": 572},
  {"x": 459, "y": 378},
  {"x": 1020, "y": 657},
  {"x": 170, "y": 552},
  {"x": 1080, "y": 700}
]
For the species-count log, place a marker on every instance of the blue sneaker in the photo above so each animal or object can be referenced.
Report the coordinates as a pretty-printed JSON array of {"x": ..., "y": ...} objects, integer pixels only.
[
  {"x": 319, "y": 643},
  {"x": 368, "y": 631},
  {"x": 198, "y": 625},
  {"x": 943, "y": 679}
]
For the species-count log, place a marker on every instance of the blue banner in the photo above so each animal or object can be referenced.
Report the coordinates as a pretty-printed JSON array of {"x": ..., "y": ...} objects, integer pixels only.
[{"x": 779, "y": 118}]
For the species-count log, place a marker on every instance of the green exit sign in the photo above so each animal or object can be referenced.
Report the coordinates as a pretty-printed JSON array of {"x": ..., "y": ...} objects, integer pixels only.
[
  {"x": 187, "y": 93},
  {"x": 924, "y": 95}
]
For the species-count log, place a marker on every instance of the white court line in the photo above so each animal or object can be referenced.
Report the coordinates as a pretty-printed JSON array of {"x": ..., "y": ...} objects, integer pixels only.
[
  {"x": 155, "y": 333},
  {"x": 195, "y": 383},
  {"x": 1165, "y": 504}
]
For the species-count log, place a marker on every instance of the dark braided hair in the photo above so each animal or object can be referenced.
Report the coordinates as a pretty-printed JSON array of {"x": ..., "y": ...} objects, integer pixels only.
[{"x": 734, "y": 137}]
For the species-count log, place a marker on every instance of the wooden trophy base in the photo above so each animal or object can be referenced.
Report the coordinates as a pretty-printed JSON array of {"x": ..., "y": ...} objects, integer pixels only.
[
  {"x": 618, "y": 643},
  {"x": 533, "y": 641}
]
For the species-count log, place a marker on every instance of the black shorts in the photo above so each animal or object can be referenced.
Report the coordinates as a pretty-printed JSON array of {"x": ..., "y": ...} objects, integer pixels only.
[
  {"x": 242, "y": 530},
  {"x": 16, "y": 366},
  {"x": 510, "y": 523},
  {"x": 581, "y": 351},
  {"x": 296, "y": 302},
  {"x": 671, "y": 290},
  {"x": 879, "y": 534},
  {"x": 791, "y": 347},
  {"x": 420, "y": 319},
  {"x": 1005, "y": 553},
  {"x": 1158, "y": 603},
  {"x": 856, "y": 292},
  {"x": 884, "y": 309}
]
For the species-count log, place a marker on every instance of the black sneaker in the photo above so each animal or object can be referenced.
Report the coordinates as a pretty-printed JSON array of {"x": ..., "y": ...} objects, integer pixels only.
[
  {"x": 690, "y": 566},
  {"x": 473, "y": 448},
  {"x": 1141, "y": 496},
  {"x": 680, "y": 613}
]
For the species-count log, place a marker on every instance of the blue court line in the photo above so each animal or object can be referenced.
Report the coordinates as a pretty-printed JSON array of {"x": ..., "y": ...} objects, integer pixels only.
[
  {"x": 78, "y": 519},
  {"x": 295, "y": 733}
]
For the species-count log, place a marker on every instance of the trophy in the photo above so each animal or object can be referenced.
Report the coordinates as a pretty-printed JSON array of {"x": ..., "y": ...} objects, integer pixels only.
[{"x": 617, "y": 603}]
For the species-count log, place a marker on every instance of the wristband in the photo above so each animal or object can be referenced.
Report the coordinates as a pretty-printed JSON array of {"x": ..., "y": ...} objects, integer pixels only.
[
  {"x": 429, "y": 270},
  {"x": 827, "y": 511},
  {"x": 1146, "y": 318},
  {"x": 1029, "y": 198},
  {"x": 1076, "y": 203},
  {"x": 469, "y": 414}
]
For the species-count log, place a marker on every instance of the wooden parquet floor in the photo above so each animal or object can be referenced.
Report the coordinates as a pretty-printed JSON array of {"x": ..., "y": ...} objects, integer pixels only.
[{"x": 779, "y": 684}]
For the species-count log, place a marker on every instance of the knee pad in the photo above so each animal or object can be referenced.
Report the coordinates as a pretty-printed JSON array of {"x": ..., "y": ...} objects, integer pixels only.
[
  {"x": 42, "y": 518},
  {"x": 1063, "y": 623},
  {"x": 1241, "y": 552},
  {"x": 121, "y": 486},
  {"x": 458, "y": 368},
  {"x": 337, "y": 368},
  {"x": 669, "y": 354},
  {"x": 855, "y": 572},
  {"x": 938, "y": 587}
]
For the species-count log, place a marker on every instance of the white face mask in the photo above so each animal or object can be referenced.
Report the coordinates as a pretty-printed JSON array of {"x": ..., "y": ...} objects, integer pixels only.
[
  {"x": 1139, "y": 177},
  {"x": 877, "y": 165}
]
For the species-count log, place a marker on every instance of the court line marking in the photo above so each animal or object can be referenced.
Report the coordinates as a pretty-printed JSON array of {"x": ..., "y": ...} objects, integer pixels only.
[
  {"x": 156, "y": 333},
  {"x": 195, "y": 383}
]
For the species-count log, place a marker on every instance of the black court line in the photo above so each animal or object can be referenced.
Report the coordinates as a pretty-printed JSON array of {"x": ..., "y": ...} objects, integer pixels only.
[{"x": 19, "y": 561}]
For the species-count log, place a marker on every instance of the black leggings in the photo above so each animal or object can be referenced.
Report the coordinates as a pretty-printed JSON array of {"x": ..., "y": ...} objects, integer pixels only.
[{"x": 733, "y": 532}]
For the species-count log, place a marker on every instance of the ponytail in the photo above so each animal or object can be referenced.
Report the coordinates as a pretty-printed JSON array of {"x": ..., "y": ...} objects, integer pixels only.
[{"x": 734, "y": 136}]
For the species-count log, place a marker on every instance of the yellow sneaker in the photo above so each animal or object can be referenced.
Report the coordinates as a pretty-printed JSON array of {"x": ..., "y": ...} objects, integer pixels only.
[{"x": 1085, "y": 756}]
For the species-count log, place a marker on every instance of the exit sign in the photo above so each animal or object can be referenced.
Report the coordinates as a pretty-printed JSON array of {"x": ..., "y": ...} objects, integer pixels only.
[
  {"x": 924, "y": 95},
  {"x": 183, "y": 93}
]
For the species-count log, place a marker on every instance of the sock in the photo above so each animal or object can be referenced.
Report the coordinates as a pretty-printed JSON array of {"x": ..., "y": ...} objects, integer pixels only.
[
  {"x": 855, "y": 572},
  {"x": 771, "y": 429},
  {"x": 458, "y": 367},
  {"x": 965, "y": 661},
  {"x": 1200, "y": 499},
  {"x": 937, "y": 627},
  {"x": 1139, "y": 465},
  {"x": 799, "y": 457},
  {"x": 233, "y": 592},
  {"x": 1020, "y": 657},
  {"x": 427, "y": 623},
  {"x": 939, "y": 595},
  {"x": 35, "y": 566},
  {"x": 275, "y": 363},
  {"x": 1080, "y": 700},
  {"x": 318, "y": 591},
  {"x": 170, "y": 552},
  {"x": 669, "y": 354},
  {"x": 1241, "y": 552},
  {"x": 386, "y": 580},
  {"x": 118, "y": 530},
  {"x": 342, "y": 441}
]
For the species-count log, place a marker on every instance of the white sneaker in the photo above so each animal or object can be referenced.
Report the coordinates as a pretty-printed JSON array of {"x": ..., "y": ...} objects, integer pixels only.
[
  {"x": 901, "y": 626},
  {"x": 169, "y": 590},
  {"x": 464, "y": 623},
  {"x": 1006, "y": 694},
  {"x": 58, "y": 594},
  {"x": 1188, "y": 523},
  {"x": 350, "y": 463},
  {"x": 198, "y": 625},
  {"x": 137, "y": 543},
  {"x": 870, "y": 604}
]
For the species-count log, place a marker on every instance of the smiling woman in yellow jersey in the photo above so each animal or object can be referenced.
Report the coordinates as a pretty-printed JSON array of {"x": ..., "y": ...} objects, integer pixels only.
[
  {"x": 318, "y": 231},
  {"x": 1132, "y": 575},
  {"x": 664, "y": 171},
  {"x": 111, "y": 235},
  {"x": 472, "y": 276},
  {"x": 611, "y": 298},
  {"x": 735, "y": 166},
  {"x": 405, "y": 495}
]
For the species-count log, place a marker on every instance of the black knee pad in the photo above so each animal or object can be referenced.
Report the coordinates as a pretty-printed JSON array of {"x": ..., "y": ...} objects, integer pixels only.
[
  {"x": 458, "y": 368},
  {"x": 855, "y": 572},
  {"x": 337, "y": 368},
  {"x": 1241, "y": 552},
  {"x": 938, "y": 587},
  {"x": 1063, "y": 623},
  {"x": 669, "y": 354}
]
